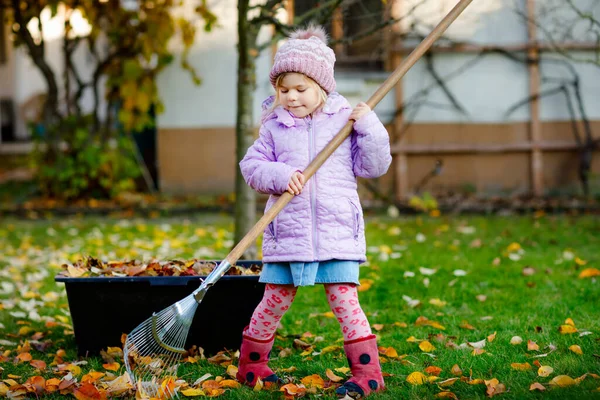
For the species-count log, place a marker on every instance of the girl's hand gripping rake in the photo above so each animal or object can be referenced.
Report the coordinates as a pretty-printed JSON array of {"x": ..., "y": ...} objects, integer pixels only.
[{"x": 152, "y": 350}]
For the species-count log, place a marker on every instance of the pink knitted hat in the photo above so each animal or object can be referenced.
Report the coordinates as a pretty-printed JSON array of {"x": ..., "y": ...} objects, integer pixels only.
[{"x": 306, "y": 52}]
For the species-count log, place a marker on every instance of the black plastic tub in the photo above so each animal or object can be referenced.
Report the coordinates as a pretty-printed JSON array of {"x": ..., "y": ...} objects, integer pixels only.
[{"x": 103, "y": 308}]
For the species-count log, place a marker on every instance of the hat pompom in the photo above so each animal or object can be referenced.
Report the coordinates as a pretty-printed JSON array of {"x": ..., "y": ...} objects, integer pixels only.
[{"x": 310, "y": 31}]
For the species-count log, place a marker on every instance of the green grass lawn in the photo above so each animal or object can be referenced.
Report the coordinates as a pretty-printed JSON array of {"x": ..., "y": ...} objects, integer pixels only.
[{"x": 473, "y": 276}]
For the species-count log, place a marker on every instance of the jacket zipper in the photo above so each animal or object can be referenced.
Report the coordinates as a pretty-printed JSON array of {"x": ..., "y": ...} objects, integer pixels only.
[{"x": 313, "y": 190}]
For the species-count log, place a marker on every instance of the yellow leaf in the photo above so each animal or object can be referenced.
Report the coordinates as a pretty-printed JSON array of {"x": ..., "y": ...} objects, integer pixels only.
[
  {"x": 24, "y": 330},
  {"x": 413, "y": 339},
  {"x": 424, "y": 321},
  {"x": 521, "y": 367},
  {"x": 513, "y": 247},
  {"x": 545, "y": 370},
  {"x": 343, "y": 370},
  {"x": 330, "y": 349},
  {"x": 576, "y": 349},
  {"x": 291, "y": 369},
  {"x": 258, "y": 385},
  {"x": 562, "y": 381},
  {"x": 456, "y": 371},
  {"x": 388, "y": 352},
  {"x": 193, "y": 392},
  {"x": 437, "y": 302},
  {"x": 446, "y": 395},
  {"x": 426, "y": 346},
  {"x": 329, "y": 314},
  {"x": 75, "y": 369},
  {"x": 365, "y": 284},
  {"x": 537, "y": 386},
  {"x": 232, "y": 370},
  {"x": 332, "y": 377},
  {"x": 477, "y": 352},
  {"x": 401, "y": 324},
  {"x": 447, "y": 382},
  {"x": 491, "y": 337},
  {"x": 416, "y": 378},
  {"x": 589, "y": 273},
  {"x": 579, "y": 261},
  {"x": 569, "y": 321},
  {"x": 313, "y": 381},
  {"x": 377, "y": 327},
  {"x": 566, "y": 329}
]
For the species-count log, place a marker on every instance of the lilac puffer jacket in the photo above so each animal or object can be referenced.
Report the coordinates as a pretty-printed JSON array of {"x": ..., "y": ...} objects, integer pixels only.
[{"x": 325, "y": 221}]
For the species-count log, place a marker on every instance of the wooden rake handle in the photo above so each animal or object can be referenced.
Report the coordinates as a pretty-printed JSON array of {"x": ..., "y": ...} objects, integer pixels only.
[{"x": 312, "y": 168}]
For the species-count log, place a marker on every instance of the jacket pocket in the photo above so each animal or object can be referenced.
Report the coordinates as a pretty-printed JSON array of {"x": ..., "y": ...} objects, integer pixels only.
[{"x": 355, "y": 219}]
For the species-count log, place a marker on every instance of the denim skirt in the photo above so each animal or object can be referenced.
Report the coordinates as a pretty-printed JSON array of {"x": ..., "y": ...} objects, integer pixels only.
[{"x": 309, "y": 273}]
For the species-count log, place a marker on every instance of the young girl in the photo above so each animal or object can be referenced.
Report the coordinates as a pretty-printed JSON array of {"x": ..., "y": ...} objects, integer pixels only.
[{"x": 319, "y": 236}]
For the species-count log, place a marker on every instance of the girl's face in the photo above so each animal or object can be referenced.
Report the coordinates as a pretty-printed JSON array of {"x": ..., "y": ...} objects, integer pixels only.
[{"x": 298, "y": 95}]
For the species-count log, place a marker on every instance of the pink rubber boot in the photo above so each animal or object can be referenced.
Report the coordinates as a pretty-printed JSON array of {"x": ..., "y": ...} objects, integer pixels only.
[
  {"x": 363, "y": 359},
  {"x": 254, "y": 355}
]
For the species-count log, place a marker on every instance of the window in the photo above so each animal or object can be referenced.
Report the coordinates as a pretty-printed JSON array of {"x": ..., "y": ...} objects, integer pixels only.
[{"x": 352, "y": 19}]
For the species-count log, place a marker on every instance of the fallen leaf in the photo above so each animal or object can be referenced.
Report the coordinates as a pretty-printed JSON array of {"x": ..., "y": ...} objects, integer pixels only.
[
  {"x": 426, "y": 346},
  {"x": 313, "y": 381},
  {"x": 576, "y": 349},
  {"x": 569, "y": 321},
  {"x": 424, "y": 321},
  {"x": 562, "y": 381},
  {"x": 377, "y": 327},
  {"x": 516, "y": 340},
  {"x": 477, "y": 345},
  {"x": 87, "y": 391},
  {"x": 531, "y": 346},
  {"x": 494, "y": 387},
  {"x": 465, "y": 325},
  {"x": 589, "y": 272},
  {"x": 39, "y": 364},
  {"x": 447, "y": 382},
  {"x": 112, "y": 366},
  {"x": 416, "y": 378},
  {"x": 446, "y": 395},
  {"x": 332, "y": 377},
  {"x": 433, "y": 370},
  {"x": 545, "y": 370},
  {"x": 491, "y": 337},
  {"x": 521, "y": 367},
  {"x": 229, "y": 383},
  {"x": 437, "y": 302},
  {"x": 456, "y": 371},
  {"x": 566, "y": 329},
  {"x": 537, "y": 386},
  {"x": 388, "y": 352},
  {"x": 232, "y": 370},
  {"x": 477, "y": 352},
  {"x": 193, "y": 392},
  {"x": 293, "y": 390}
]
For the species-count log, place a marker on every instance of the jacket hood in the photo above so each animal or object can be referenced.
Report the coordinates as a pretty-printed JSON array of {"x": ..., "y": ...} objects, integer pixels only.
[{"x": 335, "y": 103}]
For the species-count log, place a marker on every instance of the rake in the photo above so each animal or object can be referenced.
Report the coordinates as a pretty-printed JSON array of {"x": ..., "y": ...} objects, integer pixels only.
[{"x": 153, "y": 349}]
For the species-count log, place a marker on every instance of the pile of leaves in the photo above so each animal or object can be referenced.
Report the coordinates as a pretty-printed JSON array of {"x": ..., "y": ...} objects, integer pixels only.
[{"x": 91, "y": 266}]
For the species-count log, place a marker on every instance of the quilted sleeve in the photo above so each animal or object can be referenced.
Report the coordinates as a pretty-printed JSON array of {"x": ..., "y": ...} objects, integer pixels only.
[
  {"x": 371, "y": 155},
  {"x": 260, "y": 168}
]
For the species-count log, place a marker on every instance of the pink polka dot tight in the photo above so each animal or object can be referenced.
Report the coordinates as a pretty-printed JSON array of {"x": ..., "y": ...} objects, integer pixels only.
[
  {"x": 343, "y": 300},
  {"x": 265, "y": 319}
]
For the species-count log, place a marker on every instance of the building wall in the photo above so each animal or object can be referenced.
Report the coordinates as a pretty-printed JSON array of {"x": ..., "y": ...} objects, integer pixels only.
[{"x": 197, "y": 128}]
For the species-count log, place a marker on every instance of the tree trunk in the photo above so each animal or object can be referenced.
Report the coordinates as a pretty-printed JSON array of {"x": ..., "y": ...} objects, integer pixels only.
[
  {"x": 50, "y": 112},
  {"x": 245, "y": 197}
]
